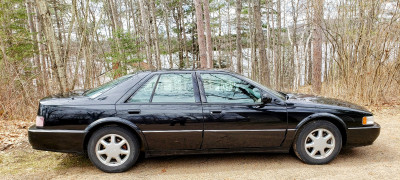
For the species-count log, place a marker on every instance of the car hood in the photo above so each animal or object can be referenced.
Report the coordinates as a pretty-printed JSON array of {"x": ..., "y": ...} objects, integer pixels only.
[{"x": 317, "y": 101}]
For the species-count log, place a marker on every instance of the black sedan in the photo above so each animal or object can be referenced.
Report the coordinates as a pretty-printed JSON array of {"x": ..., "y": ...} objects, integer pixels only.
[{"x": 196, "y": 112}]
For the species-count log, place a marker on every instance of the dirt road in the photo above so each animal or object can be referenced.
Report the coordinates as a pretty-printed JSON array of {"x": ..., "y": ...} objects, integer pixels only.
[{"x": 378, "y": 161}]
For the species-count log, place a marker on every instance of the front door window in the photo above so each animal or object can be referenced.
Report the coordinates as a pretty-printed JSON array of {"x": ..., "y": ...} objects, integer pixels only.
[{"x": 222, "y": 88}]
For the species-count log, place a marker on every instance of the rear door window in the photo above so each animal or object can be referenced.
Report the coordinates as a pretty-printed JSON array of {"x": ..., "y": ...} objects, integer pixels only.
[
  {"x": 166, "y": 88},
  {"x": 174, "y": 88}
]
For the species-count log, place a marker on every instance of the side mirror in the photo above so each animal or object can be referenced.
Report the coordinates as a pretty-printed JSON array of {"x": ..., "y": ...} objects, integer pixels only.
[{"x": 266, "y": 99}]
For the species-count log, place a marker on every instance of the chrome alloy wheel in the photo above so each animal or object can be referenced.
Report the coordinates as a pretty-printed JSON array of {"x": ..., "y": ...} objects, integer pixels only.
[
  {"x": 112, "y": 150},
  {"x": 320, "y": 143}
]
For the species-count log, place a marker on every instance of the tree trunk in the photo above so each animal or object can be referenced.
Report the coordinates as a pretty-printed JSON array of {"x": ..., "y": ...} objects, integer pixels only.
[
  {"x": 32, "y": 30},
  {"x": 219, "y": 39},
  {"x": 146, "y": 28},
  {"x": 200, "y": 34},
  {"x": 252, "y": 45},
  {"x": 41, "y": 50},
  {"x": 3, "y": 50},
  {"x": 157, "y": 46},
  {"x": 278, "y": 48},
  {"x": 317, "y": 45},
  {"x": 238, "y": 37},
  {"x": 261, "y": 44},
  {"x": 229, "y": 63},
  {"x": 209, "y": 44},
  {"x": 183, "y": 31},
  {"x": 166, "y": 13},
  {"x": 178, "y": 16},
  {"x": 53, "y": 44}
]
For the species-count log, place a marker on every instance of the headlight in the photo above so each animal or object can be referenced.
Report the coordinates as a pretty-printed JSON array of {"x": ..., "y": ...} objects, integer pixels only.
[{"x": 368, "y": 120}]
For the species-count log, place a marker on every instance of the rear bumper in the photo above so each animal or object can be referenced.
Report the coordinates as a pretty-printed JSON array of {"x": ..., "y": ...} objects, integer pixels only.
[
  {"x": 362, "y": 136},
  {"x": 57, "y": 140}
]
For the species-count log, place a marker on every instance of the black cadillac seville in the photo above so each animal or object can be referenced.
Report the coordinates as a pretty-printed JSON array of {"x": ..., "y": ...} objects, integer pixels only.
[{"x": 196, "y": 112}]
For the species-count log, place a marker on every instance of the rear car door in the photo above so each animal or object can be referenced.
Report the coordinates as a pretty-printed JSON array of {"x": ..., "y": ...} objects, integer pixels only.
[
  {"x": 167, "y": 109},
  {"x": 234, "y": 116}
]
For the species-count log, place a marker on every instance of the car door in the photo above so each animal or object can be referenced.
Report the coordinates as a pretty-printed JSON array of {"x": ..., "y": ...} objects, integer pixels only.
[
  {"x": 234, "y": 116},
  {"x": 168, "y": 111}
]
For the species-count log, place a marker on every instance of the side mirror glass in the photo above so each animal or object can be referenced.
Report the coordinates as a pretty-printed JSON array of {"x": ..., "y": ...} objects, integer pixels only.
[{"x": 266, "y": 99}]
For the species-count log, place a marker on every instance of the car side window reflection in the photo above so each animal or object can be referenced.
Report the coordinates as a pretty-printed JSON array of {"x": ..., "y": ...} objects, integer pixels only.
[
  {"x": 174, "y": 88},
  {"x": 222, "y": 88},
  {"x": 144, "y": 93}
]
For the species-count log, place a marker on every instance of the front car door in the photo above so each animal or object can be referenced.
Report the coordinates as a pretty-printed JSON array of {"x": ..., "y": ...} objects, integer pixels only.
[
  {"x": 234, "y": 116},
  {"x": 167, "y": 109}
]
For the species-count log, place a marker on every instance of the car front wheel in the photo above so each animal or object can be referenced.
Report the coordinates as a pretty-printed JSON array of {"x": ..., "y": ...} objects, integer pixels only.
[
  {"x": 113, "y": 149},
  {"x": 318, "y": 142}
]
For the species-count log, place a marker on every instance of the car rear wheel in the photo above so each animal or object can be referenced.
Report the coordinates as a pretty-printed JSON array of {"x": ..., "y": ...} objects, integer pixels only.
[
  {"x": 113, "y": 149},
  {"x": 318, "y": 142}
]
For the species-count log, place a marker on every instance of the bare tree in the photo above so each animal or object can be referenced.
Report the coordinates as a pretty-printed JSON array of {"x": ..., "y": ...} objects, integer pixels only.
[
  {"x": 318, "y": 8},
  {"x": 155, "y": 27},
  {"x": 238, "y": 37},
  {"x": 209, "y": 44},
  {"x": 200, "y": 34},
  {"x": 166, "y": 21},
  {"x": 54, "y": 45},
  {"x": 261, "y": 44},
  {"x": 145, "y": 22}
]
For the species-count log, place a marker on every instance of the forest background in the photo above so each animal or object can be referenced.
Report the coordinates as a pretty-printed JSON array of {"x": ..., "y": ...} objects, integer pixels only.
[{"x": 347, "y": 49}]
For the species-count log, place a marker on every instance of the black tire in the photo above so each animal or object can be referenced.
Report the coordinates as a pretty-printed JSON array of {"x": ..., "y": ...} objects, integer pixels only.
[
  {"x": 312, "y": 129},
  {"x": 132, "y": 144}
]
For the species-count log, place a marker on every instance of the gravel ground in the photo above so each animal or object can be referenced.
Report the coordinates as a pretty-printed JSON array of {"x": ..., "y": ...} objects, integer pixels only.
[{"x": 378, "y": 161}]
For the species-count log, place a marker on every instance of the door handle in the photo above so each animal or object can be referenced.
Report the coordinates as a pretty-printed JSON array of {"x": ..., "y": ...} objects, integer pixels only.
[
  {"x": 134, "y": 111},
  {"x": 215, "y": 112}
]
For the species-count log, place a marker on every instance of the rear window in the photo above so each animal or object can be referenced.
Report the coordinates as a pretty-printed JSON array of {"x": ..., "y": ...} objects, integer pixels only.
[{"x": 92, "y": 93}]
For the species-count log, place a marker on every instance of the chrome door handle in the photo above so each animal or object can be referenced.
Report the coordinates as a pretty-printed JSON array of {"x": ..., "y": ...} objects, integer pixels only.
[
  {"x": 134, "y": 111},
  {"x": 215, "y": 112}
]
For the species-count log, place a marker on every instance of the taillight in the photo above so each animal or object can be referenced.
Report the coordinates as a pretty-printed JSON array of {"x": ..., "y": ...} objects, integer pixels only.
[{"x": 39, "y": 121}]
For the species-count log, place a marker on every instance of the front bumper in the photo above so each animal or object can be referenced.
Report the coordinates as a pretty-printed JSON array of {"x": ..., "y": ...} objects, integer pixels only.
[
  {"x": 362, "y": 136},
  {"x": 57, "y": 140}
]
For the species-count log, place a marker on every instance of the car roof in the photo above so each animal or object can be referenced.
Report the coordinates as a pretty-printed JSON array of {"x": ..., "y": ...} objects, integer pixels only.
[{"x": 192, "y": 70}]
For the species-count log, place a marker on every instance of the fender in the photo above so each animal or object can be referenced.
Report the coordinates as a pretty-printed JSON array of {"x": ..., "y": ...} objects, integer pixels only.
[
  {"x": 117, "y": 120},
  {"x": 321, "y": 116}
]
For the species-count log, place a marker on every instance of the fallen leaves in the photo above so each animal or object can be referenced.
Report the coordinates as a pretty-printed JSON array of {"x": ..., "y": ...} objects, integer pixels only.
[{"x": 12, "y": 132}]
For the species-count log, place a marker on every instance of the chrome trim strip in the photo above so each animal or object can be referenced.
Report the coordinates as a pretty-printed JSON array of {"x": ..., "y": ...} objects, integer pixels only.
[
  {"x": 55, "y": 131},
  {"x": 216, "y": 130},
  {"x": 291, "y": 129},
  {"x": 366, "y": 127},
  {"x": 246, "y": 130},
  {"x": 173, "y": 131}
]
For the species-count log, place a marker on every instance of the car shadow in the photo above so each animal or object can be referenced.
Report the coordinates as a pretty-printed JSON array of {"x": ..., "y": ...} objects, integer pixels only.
[
  {"x": 347, "y": 155},
  {"x": 73, "y": 160}
]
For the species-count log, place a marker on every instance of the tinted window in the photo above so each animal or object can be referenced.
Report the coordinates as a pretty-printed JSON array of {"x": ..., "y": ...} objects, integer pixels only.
[
  {"x": 174, "y": 88},
  {"x": 107, "y": 86},
  {"x": 228, "y": 89},
  {"x": 144, "y": 93}
]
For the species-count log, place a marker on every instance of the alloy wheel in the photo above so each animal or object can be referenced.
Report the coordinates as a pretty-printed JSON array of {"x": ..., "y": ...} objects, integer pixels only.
[
  {"x": 320, "y": 143},
  {"x": 112, "y": 150}
]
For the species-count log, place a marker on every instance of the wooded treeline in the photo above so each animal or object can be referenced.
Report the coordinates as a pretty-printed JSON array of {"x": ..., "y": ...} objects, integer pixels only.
[{"x": 347, "y": 48}]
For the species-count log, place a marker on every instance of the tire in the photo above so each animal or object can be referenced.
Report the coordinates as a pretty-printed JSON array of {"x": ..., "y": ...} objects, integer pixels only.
[
  {"x": 320, "y": 149},
  {"x": 113, "y": 156}
]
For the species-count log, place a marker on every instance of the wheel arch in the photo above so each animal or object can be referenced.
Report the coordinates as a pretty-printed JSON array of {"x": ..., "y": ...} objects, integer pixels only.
[
  {"x": 338, "y": 122},
  {"x": 114, "y": 121}
]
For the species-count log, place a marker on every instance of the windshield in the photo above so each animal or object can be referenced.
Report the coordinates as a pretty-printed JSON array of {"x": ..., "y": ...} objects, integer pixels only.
[
  {"x": 277, "y": 94},
  {"x": 92, "y": 93}
]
